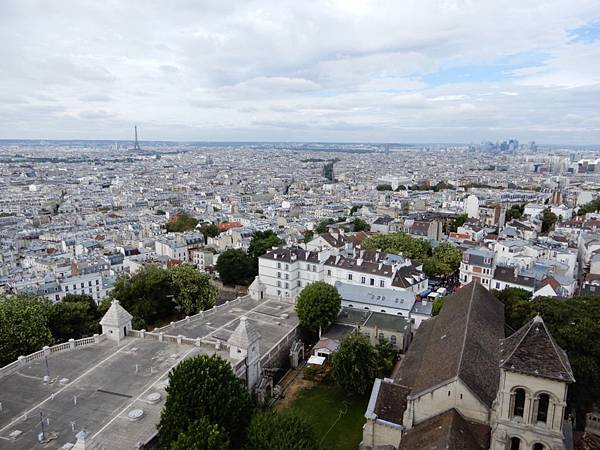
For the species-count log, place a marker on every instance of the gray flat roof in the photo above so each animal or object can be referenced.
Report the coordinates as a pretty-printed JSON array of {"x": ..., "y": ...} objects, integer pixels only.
[{"x": 104, "y": 379}]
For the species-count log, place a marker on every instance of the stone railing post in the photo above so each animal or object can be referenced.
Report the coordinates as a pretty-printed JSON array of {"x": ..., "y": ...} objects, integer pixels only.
[
  {"x": 143, "y": 334},
  {"x": 46, "y": 350},
  {"x": 179, "y": 338},
  {"x": 160, "y": 336},
  {"x": 21, "y": 360},
  {"x": 96, "y": 338},
  {"x": 71, "y": 343}
]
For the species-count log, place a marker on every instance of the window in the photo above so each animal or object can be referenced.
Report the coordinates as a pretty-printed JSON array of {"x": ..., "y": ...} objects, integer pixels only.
[
  {"x": 287, "y": 285},
  {"x": 519, "y": 403},
  {"x": 497, "y": 285},
  {"x": 287, "y": 276},
  {"x": 279, "y": 284},
  {"x": 97, "y": 281},
  {"x": 328, "y": 272},
  {"x": 314, "y": 268},
  {"x": 82, "y": 285},
  {"x": 538, "y": 446},
  {"x": 363, "y": 280},
  {"x": 279, "y": 265},
  {"x": 278, "y": 274},
  {"x": 372, "y": 281},
  {"x": 287, "y": 267},
  {"x": 543, "y": 402},
  {"x": 350, "y": 276},
  {"x": 89, "y": 283},
  {"x": 393, "y": 339},
  {"x": 515, "y": 443},
  {"x": 381, "y": 283},
  {"x": 381, "y": 335},
  {"x": 66, "y": 288}
]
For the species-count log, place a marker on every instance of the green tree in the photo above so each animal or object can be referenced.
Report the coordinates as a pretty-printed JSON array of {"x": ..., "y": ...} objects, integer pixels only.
[
  {"x": 517, "y": 306},
  {"x": 193, "y": 290},
  {"x": 183, "y": 222},
  {"x": 444, "y": 261},
  {"x": 318, "y": 305},
  {"x": 75, "y": 316},
  {"x": 438, "y": 303},
  {"x": 458, "y": 221},
  {"x": 408, "y": 246},
  {"x": 360, "y": 225},
  {"x": 235, "y": 267},
  {"x": 308, "y": 235},
  {"x": 23, "y": 326},
  {"x": 386, "y": 357},
  {"x": 593, "y": 206},
  {"x": 354, "y": 209},
  {"x": 202, "y": 435},
  {"x": 515, "y": 212},
  {"x": 281, "y": 431},
  {"x": 205, "y": 387},
  {"x": 147, "y": 295},
  {"x": 548, "y": 220},
  {"x": 323, "y": 225},
  {"x": 263, "y": 241},
  {"x": 354, "y": 364},
  {"x": 209, "y": 230}
]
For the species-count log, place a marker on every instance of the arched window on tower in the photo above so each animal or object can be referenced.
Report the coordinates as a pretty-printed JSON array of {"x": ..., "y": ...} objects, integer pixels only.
[
  {"x": 542, "y": 410},
  {"x": 519, "y": 405},
  {"x": 515, "y": 443},
  {"x": 539, "y": 446}
]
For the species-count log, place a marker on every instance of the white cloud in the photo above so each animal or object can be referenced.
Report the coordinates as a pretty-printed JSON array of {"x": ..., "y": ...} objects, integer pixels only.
[{"x": 335, "y": 70}]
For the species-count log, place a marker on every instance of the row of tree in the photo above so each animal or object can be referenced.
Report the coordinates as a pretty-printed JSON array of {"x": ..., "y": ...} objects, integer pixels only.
[
  {"x": 28, "y": 323},
  {"x": 153, "y": 294},
  {"x": 209, "y": 408}
]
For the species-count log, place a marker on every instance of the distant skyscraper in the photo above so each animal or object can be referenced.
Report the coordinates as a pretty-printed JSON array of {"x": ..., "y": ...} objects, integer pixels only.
[{"x": 136, "y": 145}]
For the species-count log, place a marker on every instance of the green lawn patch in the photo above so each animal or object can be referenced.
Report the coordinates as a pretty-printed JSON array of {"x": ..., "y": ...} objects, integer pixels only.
[{"x": 337, "y": 417}]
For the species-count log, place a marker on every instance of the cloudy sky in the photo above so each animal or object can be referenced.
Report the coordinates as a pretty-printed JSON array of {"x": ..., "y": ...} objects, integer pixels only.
[{"x": 339, "y": 70}]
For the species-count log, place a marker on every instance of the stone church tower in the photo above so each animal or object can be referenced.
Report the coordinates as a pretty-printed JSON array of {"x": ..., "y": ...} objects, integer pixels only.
[{"x": 529, "y": 409}]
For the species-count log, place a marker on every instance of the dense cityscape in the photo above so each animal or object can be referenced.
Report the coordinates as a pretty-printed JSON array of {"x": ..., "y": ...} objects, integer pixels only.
[{"x": 316, "y": 225}]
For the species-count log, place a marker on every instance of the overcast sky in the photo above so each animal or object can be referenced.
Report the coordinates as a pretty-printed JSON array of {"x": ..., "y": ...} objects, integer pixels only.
[{"x": 346, "y": 70}]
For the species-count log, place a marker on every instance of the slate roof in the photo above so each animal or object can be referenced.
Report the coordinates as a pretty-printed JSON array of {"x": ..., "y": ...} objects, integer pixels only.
[
  {"x": 116, "y": 316},
  {"x": 507, "y": 274},
  {"x": 391, "y": 402},
  {"x": 532, "y": 351},
  {"x": 462, "y": 341},
  {"x": 449, "y": 430}
]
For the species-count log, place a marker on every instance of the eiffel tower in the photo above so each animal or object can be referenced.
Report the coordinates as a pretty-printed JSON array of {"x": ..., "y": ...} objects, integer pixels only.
[{"x": 136, "y": 145}]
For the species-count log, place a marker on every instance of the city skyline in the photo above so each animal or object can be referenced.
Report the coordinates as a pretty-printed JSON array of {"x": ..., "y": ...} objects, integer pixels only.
[{"x": 349, "y": 71}]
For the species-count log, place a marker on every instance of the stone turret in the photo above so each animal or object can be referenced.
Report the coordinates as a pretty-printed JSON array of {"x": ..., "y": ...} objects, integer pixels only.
[
  {"x": 244, "y": 343},
  {"x": 116, "y": 323}
]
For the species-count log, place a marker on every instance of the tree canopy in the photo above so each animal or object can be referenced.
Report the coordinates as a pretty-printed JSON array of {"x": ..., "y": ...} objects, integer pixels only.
[
  {"x": 458, "y": 221},
  {"x": 205, "y": 387},
  {"x": 76, "y": 316},
  {"x": 318, "y": 305},
  {"x": 201, "y": 435},
  {"x": 360, "y": 225},
  {"x": 575, "y": 326},
  {"x": 548, "y": 220},
  {"x": 23, "y": 326},
  {"x": 281, "y": 431},
  {"x": 263, "y": 241},
  {"x": 593, "y": 206},
  {"x": 152, "y": 293},
  {"x": 193, "y": 290},
  {"x": 183, "y": 222},
  {"x": 354, "y": 364},
  {"x": 236, "y": 267},
  {"x": 444, "y": 260},
  {"x": 209, "y": 230},
  {"x": 515, "y": 212},
  {"x": 408, "y": 246}
]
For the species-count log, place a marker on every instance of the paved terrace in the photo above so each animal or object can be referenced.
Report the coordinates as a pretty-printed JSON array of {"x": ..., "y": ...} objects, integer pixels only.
[{"x": 106, "y": 382}]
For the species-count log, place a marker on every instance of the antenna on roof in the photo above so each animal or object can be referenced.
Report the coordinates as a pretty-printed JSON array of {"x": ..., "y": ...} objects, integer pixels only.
[{"x": 136, "y": 145}]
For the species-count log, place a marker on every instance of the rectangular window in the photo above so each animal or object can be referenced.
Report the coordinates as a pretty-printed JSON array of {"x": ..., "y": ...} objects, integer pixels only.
[
  {"x": 497, "y": 285},
  {"x": 372, "y": 281},
  {"x": 287, "y": 285},
  {"x": 381, "y": 283},
  {"x": 279, "y": 265},
  {"x": 278, "y": 283},
  {"x": 350, "y": 276},
  {"x": 287, "y": 267},
  {"x": 287, "y": 276},
  {"x": 363, "y": 280},
  {"x": 328, "y": 272},
  {"x": 299, "y": 283},
  {"x": 393, "y": 339},
  {"x": 89, "y": 283},
  {"x": 278, "y": 274}
]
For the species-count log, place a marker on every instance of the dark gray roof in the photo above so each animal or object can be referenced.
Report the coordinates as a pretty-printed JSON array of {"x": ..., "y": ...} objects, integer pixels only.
[
  {"x": 449, "y": 431},
  {"x": 391, "y": 402},
  {"x": 508, "y": 275},
  {"x": 462, "y": 341},
  {"x": 532, "y": 351}
]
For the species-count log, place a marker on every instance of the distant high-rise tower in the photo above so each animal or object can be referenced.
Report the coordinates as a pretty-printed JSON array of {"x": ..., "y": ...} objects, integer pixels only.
[{"x": 136, "y": 145}]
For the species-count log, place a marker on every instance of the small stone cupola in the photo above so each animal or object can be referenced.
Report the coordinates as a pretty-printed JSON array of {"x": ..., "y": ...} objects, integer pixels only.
[
  {"x": 116, "y": 323},
  {"x": 244, "y": 343}
]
